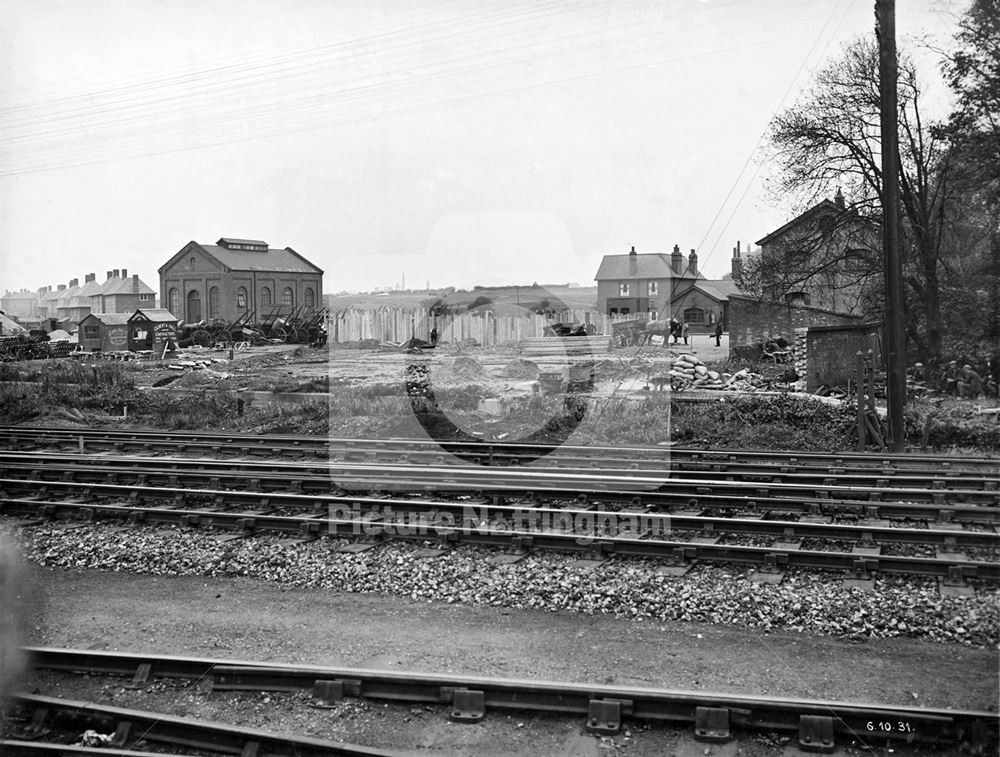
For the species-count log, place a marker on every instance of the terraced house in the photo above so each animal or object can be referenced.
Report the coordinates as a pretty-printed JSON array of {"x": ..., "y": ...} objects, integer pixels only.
[{"x": 236, "y": 277}]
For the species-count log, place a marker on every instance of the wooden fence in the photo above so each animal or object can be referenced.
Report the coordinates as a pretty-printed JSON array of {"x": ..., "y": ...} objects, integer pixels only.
[{"x": 393, "y": 324}]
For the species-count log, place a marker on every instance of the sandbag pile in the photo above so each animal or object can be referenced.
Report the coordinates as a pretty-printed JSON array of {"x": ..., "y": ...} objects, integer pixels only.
[
  {"x": 697, "y": 376},
  {"x": 691, "y": 369}
]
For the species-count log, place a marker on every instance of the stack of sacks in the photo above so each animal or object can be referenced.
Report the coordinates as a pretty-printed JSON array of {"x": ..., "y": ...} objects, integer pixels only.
[{"x": 690, "y": 368}]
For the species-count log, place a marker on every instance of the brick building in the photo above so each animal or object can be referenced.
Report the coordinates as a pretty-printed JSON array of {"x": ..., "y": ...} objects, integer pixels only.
[
  {"x": 658, "y": 286},
  {"x": 20, "y": 305},
  {"x": 237, "y": 276},
  {"x": 121, "y": 293},
  {"x": 822, "y": 258}
]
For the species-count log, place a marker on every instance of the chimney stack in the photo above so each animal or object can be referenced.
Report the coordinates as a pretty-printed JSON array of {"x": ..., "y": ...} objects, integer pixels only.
[
  {"x": 677, "y": 260},
  {"x": 124, "y": 273},
  {"x": 632, "y": 251},
  {"x": 693, "y": 263},
  {"x": 89, "y": 277},
  {"x": 61, "y": 288},
  {"x": 109, "y": 274},
  {"x": 737, "y": 262},
  {"x": 74, "y": 283},
  {"x": 135, "y": 283},
  {"x": 118, "y": 273},
  {"x": 632, "y": 262}
]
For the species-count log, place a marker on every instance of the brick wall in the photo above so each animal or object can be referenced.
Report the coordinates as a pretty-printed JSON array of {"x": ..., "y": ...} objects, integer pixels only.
[
  {"x": 831, "y": 353},
  {"x": 750, "y": 320}
]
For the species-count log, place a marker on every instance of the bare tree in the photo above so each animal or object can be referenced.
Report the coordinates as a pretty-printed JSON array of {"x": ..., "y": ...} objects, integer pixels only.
[{"x": 830, "y": 140}]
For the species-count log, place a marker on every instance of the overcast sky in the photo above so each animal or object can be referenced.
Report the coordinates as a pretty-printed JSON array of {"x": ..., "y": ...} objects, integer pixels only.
[{"x": 455, "y": 143}]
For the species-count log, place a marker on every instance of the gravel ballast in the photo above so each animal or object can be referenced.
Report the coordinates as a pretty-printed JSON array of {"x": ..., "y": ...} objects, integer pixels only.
[{"x": 811, "y": 602}]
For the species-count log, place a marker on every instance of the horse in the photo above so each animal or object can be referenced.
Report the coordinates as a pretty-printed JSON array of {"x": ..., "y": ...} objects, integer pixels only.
[{"x": 659, "y": 328}]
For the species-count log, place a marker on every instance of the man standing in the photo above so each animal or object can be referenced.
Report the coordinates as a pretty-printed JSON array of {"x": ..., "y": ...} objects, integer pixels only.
[
  {"x": 718, "y": 333},
  {"x": 684, "y": 332}
]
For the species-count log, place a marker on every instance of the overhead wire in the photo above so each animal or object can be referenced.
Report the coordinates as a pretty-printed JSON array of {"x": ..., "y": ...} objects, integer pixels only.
[
  {"x": 706, "y": 256},
  {"x": 307, "y": 96}
]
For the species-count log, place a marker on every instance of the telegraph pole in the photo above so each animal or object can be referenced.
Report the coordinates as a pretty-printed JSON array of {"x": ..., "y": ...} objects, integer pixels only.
[{"x": 895, "y": 345}]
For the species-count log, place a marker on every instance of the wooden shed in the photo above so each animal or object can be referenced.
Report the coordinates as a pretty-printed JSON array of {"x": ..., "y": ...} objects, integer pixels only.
[
  {"x": 152, "y": 329},
  {"x": 104, "y": 332}
]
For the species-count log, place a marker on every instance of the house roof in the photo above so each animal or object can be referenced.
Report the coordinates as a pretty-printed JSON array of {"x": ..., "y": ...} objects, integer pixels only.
[
  {"x": 284, "y": 260},
  {"x": 157, "y": 315},
  {"x": 10, "y": 326},
  {"x": 820, "y": 208},
  {"x": 118, "y": 285},
  {"x": 110, "y": 319},
  {"x": 648, "y": 265}
]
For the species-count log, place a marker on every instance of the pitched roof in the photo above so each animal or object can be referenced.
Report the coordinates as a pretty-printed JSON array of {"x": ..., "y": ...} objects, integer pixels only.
[
  {"x": 157, "y": 315},
  {"x": 10, "y": 326},
  {"x": 263, "y": 259},
  {"x": 118, "y": 285},
  {"x": 648, "y": 265},
  {"x": 111, "y": 319}
]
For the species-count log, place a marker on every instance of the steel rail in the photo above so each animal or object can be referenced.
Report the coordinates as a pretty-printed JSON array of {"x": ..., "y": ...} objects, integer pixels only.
[
  {"x": 134, "y": 725},
  {"x": 953, "y": 566},
  {"x": 932, "y": 487},
  {"x": 525, "y": 479},
  {"x": 486, "y": 450},
  {"x": 640, "y": 521},
  {"x": 284, "y": 492},
  {"x": 15, "y": 748},
  {"x": 714, "y": 715}
]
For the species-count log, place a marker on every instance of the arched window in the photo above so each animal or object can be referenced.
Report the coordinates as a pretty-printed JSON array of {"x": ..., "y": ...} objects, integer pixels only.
[
  {"x": 174, "y": 301},
  {"x": 213, "y": 302},
  {"x": 193, "y": 306},
  {"x": 287, "y": 297},
  {"x": 241, "y": 299},
  {"x": 694, "y": 315},
  {"x": 310, "y": 298},
  {"x": 265, "y": 296}
]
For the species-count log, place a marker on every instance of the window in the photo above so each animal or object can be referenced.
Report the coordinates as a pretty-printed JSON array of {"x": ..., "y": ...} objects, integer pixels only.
[
  {"x": 623, "y": 290},
  {"x": 652, "y": 315},
  {"x": 694, "y": 315},
  {"x": 174, "y": 298},
  {"x": 265, "y": 296},
  {"x": 193, "y": 306},
  {"x": 241, "y": 299},
  {"x": 213, "y": 302},
  {"x": 310, "y": 297},
  {"x": 192, "y": 261},
  {"x": 145, "y": 297},
  {"x": 613, "y": 311},
  {"x": 287, "y": 298},
  {"x": 625, "y": 311},
  {"x": 652, "y": 289},
  {"x": 91, "y": 331}
]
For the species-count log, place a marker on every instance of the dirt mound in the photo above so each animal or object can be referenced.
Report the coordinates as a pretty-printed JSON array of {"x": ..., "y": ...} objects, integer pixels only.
[
  {"x": 466, "y": 367},
  {"x": 520, "y": 368}
]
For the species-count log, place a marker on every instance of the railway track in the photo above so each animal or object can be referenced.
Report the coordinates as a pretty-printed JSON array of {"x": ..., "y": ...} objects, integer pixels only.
[
  {"x": 681, "y": 541},
  {"x": 743, "y": 462},
  {"x": 858, "y": 522},
  {"x": 846, "y": 486},
  {"x": 818, "y": 725},
  {"x": 48, "y": 716}
]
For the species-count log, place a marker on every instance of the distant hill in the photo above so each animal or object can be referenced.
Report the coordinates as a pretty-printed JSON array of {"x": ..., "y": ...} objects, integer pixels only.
[{"x": 501, "y": 300}]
